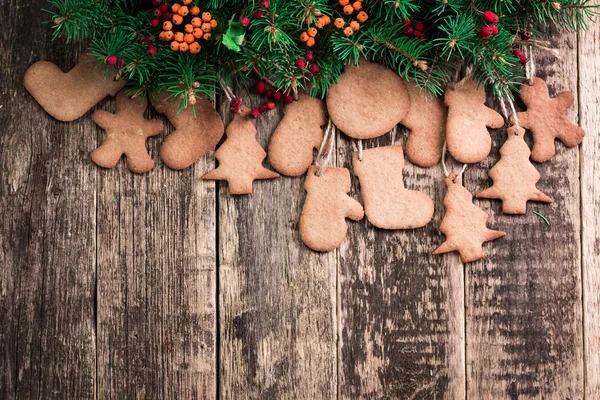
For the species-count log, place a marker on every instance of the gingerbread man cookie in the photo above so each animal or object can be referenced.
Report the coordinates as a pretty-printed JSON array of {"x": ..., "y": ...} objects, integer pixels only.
[
  {"x": 547, "y": 120},
  {"x": 327, "y": 205},
  {"x": 126, "y": 133}
]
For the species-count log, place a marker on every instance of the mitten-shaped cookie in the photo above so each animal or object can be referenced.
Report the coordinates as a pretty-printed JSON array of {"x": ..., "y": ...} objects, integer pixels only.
[
  {"x": 323, "y": 220},
  {"x": 467, "y": 137},
  {"x": 240, "y": 156},
  {"x": 299, "y": 132},
  {"x": 426, "y": 119},
  {"x": 514, "y": 176},
  {"x": 388, "y": 204},
  {"x": 368, "y": 100},
  {"x": 464, "y": 223},
  {"x": 126, "y": 133},
  {"x": 546, "y": 118},
  {"x": 67, "y": 96},
  {"x": 194, "y": 135}
]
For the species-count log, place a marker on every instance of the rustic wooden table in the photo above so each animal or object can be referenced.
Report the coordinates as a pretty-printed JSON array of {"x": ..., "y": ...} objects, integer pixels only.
[{"x": 164, "y": 286}]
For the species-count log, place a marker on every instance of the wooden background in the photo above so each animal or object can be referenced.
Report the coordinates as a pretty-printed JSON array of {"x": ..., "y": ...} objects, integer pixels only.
[{"x": 115, "y": 285}]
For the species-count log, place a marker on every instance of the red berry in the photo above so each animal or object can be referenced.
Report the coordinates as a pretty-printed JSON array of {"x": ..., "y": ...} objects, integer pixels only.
[
  {"x": 287, "y": 98},
  {"x": 406, "y": 22},
  {"x": 258, "y": 14},
  {"x": 154, "y": 23},
  {"x": 314, "y": 68},
  {"x": 277, "y": 96},
  {"x": 264, "y": 3},
  {"x": 526, "y": 35},
  {"x": 490, "y": 17},
  {"x": 234, "y": 104},
  {"x": 156, "y": 3},
  {"x": 408, "y": 31},
  {"x": 523, "y": 59},
  {"x": 300, "y": 63},
  {"x": 485, "y": 32},
  {"x": 493, "y": 29},
  {"x": 269, "y": 93},
  {"x": 151, "y": 50},
  {"x": 262, "y": 109},
  {"x": 166, "y": 16},
  {"x": 270, "y": 105},
  {"x": 111, "y": 60},
  {"x": 417, "y": 34},
  {"x": 120, "y": 62},
  {"x": 309, "y": 56},
  {"x": 245, "y": 22},
  {"x": 255, "y": 114},
  {"x": 164, "y": 8},
  {"x": 157, "y": 13},
  {"x": 517, "y": 53},
  {"x": 260, "y": 87},
  {"x": 149, "y": 39},
  {"x": 418, "y": 26}
]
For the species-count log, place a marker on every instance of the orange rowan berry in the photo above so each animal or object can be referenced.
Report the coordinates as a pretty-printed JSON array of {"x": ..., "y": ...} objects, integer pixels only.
[
  {"x": 304, "y": 37},
  {"x": 174, "y": 46},
  {"x": 310, "y": 42},
  {"x": 326, "y": 20},
  {"x": 188, "y": 38},
  {"x": 161, "y": 35},
  {"x": 196, "y": 22},
  {"x": 207, "y": 36},
  {"x": 178, "y": 37},
  {"x": 339, "y": 22},
  {"x": 175, "y": 7},
  {"x": 357, "y": 5},
  {"x": 183, "y": 47},
  {"x": 348, "y": 10},
  {"x": 188, "y": 28},
  {"x": 312, "y": 31},
  {"x": 177, "y": 19},
  {"x": 343, "y": 2},
  {"x": 354, "y": 25},
  {"x": 213, "y": 23},
  {"x": 348, "y": 31},
  {"x": 362, "y": 17},
  {"x": 183, "y": 11},
  {"x": 198, "y": 33},
  {"x": 186, "y": 2},
  {"x": 206, "y": 27},
  {"x": 195, "y": 10},
  {"x": 195, "y": 48},
  {"x": 167, "y": 25},
  {"x": 206, "y": 17},
  {"x": 168, "y": 36}
]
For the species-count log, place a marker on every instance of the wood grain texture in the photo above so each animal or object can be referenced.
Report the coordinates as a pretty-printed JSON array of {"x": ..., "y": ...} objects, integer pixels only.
[
  {"x": 156, "y": 281},
  {"x": 47, "y": 228},
  {"x": 401, "y": 308},
  {"x": 524, "y": 316},
  {"x": 277, "y": 297},
  {"x": 589, "y": 119}
]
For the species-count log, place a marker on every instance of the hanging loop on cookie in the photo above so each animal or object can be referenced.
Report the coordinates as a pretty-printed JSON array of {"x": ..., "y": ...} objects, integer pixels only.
[
  {"x": 445, "y": 167},
  {"x": 507, "y": 116},
  {"x": 357, "y": 146},
  {"x": 326, "y": 148},
  {"x": 529, "y": 65}
]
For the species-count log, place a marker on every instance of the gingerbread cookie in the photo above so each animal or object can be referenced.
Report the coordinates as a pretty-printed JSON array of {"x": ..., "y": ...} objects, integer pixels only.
[
  {"x": 194, "y": 136},
  {"x": 68, "y": 96},
  {"x": 514, "y": 176},
  {"x": 299, "y": 132},
  {"x": 467, "y": 137},
  {"x": 126, "y": 133},
  {"x": 547, "y": 120},
  {"x": 464, "y": 223},
  {"x": 388, "y": 204},
  {"x": 240, "y": 156},
  {"x": 327, "y": 205},
  {"x": 426, "y": 119},
  {"x": 368, "y": 100}
]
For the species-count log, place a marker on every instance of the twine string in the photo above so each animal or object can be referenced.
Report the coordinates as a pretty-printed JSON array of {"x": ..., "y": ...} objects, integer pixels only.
[
  {"x": 323, "y": 155},
  {"x": 445, "y": 167}
]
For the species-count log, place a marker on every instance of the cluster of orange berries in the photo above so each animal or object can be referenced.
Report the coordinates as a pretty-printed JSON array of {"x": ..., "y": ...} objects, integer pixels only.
[
  {"x": 350, "y": 9},
  {"x": 308, "y": 37},
  {"x": 199, "y": 27}
]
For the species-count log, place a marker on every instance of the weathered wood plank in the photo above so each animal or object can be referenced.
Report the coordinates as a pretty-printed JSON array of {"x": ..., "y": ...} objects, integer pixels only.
[
  {"x": 156, "y": 281},
  {"x": 402, "y": 309},
  {"x": 277, "y": 297},
  {"x": 524, "y": 326},
  {"x": 47, "y": 227},
  {"x": 589, "y": 118}
]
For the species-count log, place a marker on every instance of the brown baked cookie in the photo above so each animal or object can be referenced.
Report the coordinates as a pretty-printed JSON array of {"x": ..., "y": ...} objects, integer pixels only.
[
  {"x": 327, "y": 205},
  {"x": 467, "y": 137},
  {"x": 514, "y": 176},
  {"x": 68, "y": 96},
  {"x": 426, "y": 119},
  {"x": 388, "y": 204},
  {"x": 240, "y": 156},
  {"x": 126, "y": 133},
  {"x": 299, "y": 132},
  {"x": 464, "y": 223},
  {"x": 368, "y": 100},
  {"x": 547, "y": 120},
  {"x": 194, "y": 136}
]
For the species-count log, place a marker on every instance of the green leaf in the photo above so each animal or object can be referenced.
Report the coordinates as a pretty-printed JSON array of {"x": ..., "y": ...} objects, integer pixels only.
[{"x": 234, "y": 36}]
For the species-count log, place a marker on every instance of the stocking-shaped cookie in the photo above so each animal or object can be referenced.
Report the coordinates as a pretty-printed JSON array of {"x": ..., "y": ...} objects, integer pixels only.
[
  {"x": 464, "y": 223},
  {"x": 427, "y": 121},
  {"x": 327, "y": 205},
  {"x": 240, "y": 156},
  {"x": 514, "y": 176},
  {"x": 368, "y": 100},
  {"x": 126, "y": 133},
  {"x": 67, "y": 96},
  {"x": 467, "y": 137},
  {"x": 298, "y": 133},
  {"x": 547, "y": 120},
  {"x": 194, "y": 135},
  {"x": 388, "y": 204}
]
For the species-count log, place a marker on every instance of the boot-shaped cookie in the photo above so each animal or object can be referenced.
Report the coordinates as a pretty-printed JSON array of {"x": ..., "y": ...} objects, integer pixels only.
[
  {"x": 68, "y": 96},
  {"x": 323, "y": 220},
  {"x": 466, "y": 134},
  {"x": 194, "y": 136},
  {"x": 126, "y": 133},
  {"x": 298, "y": 133},
  {"x": 388, "y": 204}
]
